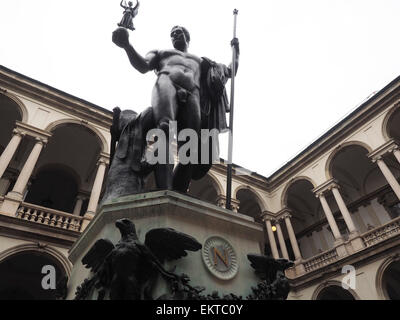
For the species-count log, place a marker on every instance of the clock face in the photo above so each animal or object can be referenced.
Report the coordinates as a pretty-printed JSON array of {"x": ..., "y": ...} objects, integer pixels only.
[{"x": 220, "y": 258}]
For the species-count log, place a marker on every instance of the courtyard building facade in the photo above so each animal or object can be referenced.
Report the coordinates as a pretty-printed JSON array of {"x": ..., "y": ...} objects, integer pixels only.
[{"x": 335, "y": 207}]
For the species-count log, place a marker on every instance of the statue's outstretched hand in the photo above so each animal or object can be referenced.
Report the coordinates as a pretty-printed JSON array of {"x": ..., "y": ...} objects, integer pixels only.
[{"x": 121, "y": 38}]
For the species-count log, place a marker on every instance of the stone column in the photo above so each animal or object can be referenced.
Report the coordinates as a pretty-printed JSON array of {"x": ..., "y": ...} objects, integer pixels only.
[
  {"x": 282, "y": 243},
  {"x": 78, "y": 205},
  {"x": 329, "y": 217},
  {"x": 4, "y": 184},
  {"x": 343, "y": 209},
  {"x": 396, "y": 153},
  {"x": 271, "y": 238},
  {"x": 388, "y": 176},
  {"x": 9, "y": 151},
  {"x": 27, "y": 170},
  {"x": 96, "y": 189},
  {"x": 13, "y": 199},
  {"x": 292, "y": 237}
]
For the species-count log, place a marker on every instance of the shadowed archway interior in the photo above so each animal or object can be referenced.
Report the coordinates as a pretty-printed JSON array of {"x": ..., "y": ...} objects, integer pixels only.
[
  {"x": 21, "y": 276},
  {"x": 335, "y": 293},
  {"x": 48, "y": 191},
  {"x": 391, "y": 281}
]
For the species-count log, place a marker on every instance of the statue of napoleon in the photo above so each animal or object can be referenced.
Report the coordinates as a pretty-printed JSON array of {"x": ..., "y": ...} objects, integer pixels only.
[{"x": 189, "y": 90}]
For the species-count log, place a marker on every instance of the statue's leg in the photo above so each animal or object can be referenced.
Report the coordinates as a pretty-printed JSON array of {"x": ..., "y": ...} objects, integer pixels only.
[
  {"x": 164, "y": 110},
  {"x": 189, "y": 117}
]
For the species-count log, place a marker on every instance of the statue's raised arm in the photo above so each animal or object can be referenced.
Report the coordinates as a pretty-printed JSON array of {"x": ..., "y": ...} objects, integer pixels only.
[
  {"x": 235, "y": 44},
  {"x": 143, "y": 64}
]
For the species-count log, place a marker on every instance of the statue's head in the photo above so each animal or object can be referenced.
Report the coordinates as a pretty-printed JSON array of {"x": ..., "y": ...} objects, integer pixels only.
[
  {"x": 180, "y": 38},
  {"x": 130, "y": 3}
]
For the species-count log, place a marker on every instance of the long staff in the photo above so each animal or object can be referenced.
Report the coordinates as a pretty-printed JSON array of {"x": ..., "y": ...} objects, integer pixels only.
[{"x": 232, "y": 100}]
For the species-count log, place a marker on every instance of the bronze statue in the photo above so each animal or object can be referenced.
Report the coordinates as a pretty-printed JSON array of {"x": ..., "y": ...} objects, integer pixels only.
[
  {"x": 128, "y": 168},
  {"x": 189, "y": 90},
  {"x": 129, "y": 13},
  {"x": 128, "y": 270}
]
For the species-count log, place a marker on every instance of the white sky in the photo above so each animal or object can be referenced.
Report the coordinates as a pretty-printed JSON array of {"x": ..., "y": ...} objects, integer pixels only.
[{"x": 304, "y": 64}]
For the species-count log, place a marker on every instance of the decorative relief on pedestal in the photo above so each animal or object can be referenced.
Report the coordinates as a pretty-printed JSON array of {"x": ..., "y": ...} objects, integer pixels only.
[{"x": 220, "y": 258}]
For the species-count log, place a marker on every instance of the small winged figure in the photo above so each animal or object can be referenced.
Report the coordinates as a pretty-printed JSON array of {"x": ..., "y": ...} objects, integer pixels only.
[
  {"x": 274, "y": 285},
  {"x": 129, "y": 269},
  {"x": 129, "y": 13}
]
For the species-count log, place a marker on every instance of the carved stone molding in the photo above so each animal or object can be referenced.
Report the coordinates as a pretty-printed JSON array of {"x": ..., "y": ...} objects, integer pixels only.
[
  {"x": 285, "y": 213},
  {"x": 32, "y": 131},
  {"x": 19, "y": 132},
  {"x": 267, "y": 215},
  {"x": 388, "y": 147},
  {"x": 104, "y": 159},
  {"x": 325, "y": 187}
]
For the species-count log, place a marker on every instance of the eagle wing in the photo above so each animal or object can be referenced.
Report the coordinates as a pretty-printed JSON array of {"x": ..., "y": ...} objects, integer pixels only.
[
  {"x": 169, "y": 244},
  {"x": 266, "y": 267},
  {"x": 97, "y": 254}
]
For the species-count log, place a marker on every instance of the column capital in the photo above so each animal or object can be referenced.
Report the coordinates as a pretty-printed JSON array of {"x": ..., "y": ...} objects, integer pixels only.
[
  {"x": 221, "y": 200},
  {"x": 386, "y": 148},
  {"x": 277, "y": 221},
  {"x": 285, "y": 213},
  {"x": 18, "y": 132},
  {"x": 267, "y": 216},
  {"x": 32, "y": 131},
  {"x": 81, "y": 197},
  {"x": 325, "y": 187},
  {"x": 41, "y": 140},
  {"x": 104, "y": 158}
]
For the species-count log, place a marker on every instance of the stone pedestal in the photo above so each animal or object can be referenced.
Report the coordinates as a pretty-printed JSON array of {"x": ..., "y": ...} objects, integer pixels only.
[{"x": 197, "y": 218}]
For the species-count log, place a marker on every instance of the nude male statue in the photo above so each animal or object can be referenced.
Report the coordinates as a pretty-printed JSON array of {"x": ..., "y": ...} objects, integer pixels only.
[{"x": 175, "y": 96}]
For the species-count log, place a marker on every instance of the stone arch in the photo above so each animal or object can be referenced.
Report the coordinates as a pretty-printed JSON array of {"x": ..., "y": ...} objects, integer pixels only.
[
  {"x": 216, "y": 183},
  {"x": 38, "y": 247},
  {"x": 21, "y": 106},
  {"x": 102, "y": 141},
  {"x": 329, "y": 161},
  {"x": 260, "y": 202},
  {"x": 385, "y": 123},
  {"x": 332, "y": 283},
  {"x": 380, "y": 273},
  {"x": 289, "y": 184},
  {"x": 207, "y": 188}
]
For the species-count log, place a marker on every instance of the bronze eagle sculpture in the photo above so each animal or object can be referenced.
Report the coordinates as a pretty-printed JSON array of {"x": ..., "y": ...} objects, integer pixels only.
[{"x": 129, "y": 269}]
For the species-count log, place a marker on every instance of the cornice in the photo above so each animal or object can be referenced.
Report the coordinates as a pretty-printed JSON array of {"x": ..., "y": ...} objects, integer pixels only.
[{"x": 55, "y": 98}]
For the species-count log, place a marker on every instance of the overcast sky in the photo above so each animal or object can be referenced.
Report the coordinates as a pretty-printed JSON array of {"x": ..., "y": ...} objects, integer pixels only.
[{"x": 304, "y": 65}]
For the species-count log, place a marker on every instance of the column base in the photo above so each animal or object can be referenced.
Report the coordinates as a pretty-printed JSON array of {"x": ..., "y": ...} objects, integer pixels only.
[
  {"x": 11, "y": 204},
  {"x": 356, "y": 241},
  {"x": 86, "y": 222},
  {"x": 340, "y": 247},
  {"x": 299, "y": 267}
]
